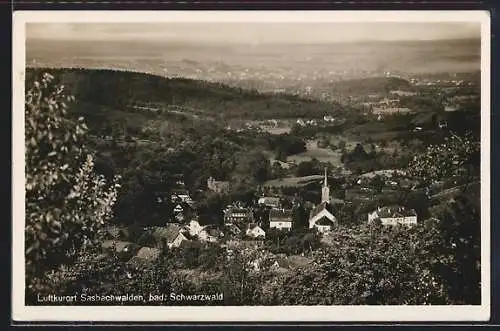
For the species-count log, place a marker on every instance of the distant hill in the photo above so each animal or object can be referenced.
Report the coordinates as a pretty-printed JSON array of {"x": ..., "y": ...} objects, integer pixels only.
[
  {"x": 136, "y": 92},
  {"x": 370, "y": 85}
]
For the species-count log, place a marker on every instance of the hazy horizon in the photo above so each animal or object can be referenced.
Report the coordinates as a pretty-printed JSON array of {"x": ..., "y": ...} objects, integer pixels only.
[{"x": 252, "y": 33}]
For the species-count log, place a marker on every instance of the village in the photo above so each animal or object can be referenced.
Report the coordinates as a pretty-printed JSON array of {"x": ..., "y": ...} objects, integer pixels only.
[{"x": 246, "y": 226}]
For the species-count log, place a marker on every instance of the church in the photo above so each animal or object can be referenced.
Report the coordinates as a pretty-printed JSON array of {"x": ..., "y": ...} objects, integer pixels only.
[{"x": 321, "y": 217}]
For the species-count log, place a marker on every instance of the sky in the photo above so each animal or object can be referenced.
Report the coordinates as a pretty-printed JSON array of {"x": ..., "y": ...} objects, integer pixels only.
[{"x": 253, "y": 33}]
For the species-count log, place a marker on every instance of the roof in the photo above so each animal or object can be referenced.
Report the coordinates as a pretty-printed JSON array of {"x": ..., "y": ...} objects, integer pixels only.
[
  {"x": 395, "y": 211},
  {"x": 324, "y": 221},
  {"x": 319, "y": 208},
  {"x": 280, "y": 213},
  {"x": 169, "y": 232},
  {"x": 214, "y": 232},
  {"x": 233, "y": 228},
  {"x": 269, "y": 200},
  {"x": 252, "y": 226}
]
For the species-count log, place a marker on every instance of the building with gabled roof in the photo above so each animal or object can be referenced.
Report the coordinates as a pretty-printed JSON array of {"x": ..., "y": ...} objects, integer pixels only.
[
  {"x": 273, "y": 202},
  {"x": 393, "y": 215},
  {"x": 170, "y": 236},
  {"x": 255, "y": 231},
  {"x": 321, "y": 217},
  {"x": 238, "y": 215},
  {"x": 280, "y": 219}
]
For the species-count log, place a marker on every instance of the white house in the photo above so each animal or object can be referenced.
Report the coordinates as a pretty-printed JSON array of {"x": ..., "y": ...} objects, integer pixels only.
[
  {"x": 301, "y": 122},
  {"x": 393, "y": 215},
  {"x": 280, "y": 219},
  {"x": 255, "y": 231},
  {"x": 272, "y": 202},
  {"x": 194, "y": 228}
]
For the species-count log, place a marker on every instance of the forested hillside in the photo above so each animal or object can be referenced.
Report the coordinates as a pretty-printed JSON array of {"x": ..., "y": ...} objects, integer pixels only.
[{"x": 122, "y": 90}]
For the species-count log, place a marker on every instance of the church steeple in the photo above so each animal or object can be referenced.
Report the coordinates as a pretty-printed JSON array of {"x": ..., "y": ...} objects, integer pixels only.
[{"x": 325, "y": 191}]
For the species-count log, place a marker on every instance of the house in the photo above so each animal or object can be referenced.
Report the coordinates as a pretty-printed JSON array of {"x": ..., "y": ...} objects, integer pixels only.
[
  {"x": 328, "y": 118},
  {"x": 183, "y": 211},
  {"x": 301, "y": 122},
  {"x": 232, "y": 229},
  {"x": 193, "y": 228},
  {"x": 393, "y": 215},
  {"x": 185, "y": 198},
  {"x": 271, "y": 202},
  {"x": 181, "y": 196},
  {"x": 285, "y": 165},
  {"x": 178, "y": 209},
  {"x": 443, "y": 124},
  {"x": 321, "y": 217},
  {"x": 280, "y": 219},
  {"x": 210, "y": 234},
  {"x": 170, "y": 236},
  {"x": 236, "y": 214},
  {"x": 217, "y": 186},
  {"x": 255, "y": 231}
]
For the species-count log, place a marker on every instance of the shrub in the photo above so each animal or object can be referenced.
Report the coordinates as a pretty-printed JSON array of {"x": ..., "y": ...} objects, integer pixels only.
[{"x": 67, "y": 204}]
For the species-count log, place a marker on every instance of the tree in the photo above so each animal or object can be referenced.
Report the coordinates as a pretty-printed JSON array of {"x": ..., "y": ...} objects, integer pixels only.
[
  {"x": 460, "y": 227},
  {"x": 277, "y": 170},
  {"x": 457, "y": 156},
  {"x": 370, "y": 265},
  {"x": 67, "y": 203},
  {"x": 342, "y": 145}
]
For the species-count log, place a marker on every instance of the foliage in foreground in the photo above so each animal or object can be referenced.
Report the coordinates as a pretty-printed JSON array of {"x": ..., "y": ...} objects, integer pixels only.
[
  {"x": 67, "y": 204},
  {"x": 434, "y": 263}
]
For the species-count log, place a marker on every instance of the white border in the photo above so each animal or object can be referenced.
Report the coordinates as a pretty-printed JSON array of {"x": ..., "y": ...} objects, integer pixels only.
[{"x": 242, "y": 314}]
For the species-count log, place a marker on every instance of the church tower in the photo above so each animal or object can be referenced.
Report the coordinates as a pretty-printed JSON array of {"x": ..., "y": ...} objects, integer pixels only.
[{"x": 325, "y": 191}]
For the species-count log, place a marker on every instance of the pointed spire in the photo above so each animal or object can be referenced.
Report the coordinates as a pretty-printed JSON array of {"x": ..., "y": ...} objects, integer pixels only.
[{"x": 326, "y": 179}]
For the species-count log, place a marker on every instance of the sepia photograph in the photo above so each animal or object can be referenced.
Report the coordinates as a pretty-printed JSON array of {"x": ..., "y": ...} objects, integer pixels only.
[{"x": 255, "y": 166}]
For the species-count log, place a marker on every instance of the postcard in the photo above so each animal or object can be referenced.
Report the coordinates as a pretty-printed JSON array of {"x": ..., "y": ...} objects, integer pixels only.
[{"x": 251, "y": 166}]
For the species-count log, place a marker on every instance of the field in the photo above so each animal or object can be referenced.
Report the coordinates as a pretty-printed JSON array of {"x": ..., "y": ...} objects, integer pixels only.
[
  {"x": 321, "y": 154},
  {"x": 293, "y": 181},
  {"x": 278, "y": 130}
]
